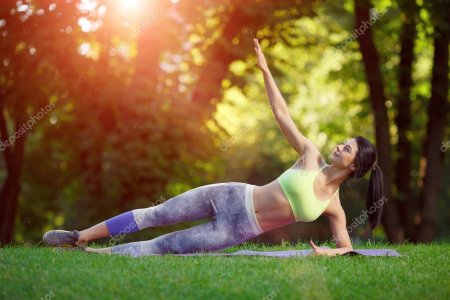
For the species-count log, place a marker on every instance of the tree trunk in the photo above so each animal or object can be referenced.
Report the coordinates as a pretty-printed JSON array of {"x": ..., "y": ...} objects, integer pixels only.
[
  {"x": 433, "y": 156},
  {"x": 382, "y": 135},
  {"x": 8, "y": 207},
  {"x": 403, "y": 119},
  {"x": 9, "y": 194}
]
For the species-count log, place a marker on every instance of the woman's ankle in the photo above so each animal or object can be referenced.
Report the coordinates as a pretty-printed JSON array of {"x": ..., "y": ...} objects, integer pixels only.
[{"x": 82, "y": 238}]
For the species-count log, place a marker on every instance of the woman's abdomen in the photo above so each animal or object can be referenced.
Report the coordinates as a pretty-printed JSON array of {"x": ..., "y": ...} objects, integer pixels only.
[{"x": 272, "y": 209}]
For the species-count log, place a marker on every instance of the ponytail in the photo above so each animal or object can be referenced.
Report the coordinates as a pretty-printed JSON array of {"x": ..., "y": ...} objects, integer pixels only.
[{"x": 375, "y": 199}]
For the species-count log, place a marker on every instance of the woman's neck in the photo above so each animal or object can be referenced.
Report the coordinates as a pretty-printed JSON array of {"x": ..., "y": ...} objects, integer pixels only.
[{"x": 333, "y": 176}]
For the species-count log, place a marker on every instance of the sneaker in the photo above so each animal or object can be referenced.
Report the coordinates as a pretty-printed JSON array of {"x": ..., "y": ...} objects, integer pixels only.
[{"x": 62, "y": 238}]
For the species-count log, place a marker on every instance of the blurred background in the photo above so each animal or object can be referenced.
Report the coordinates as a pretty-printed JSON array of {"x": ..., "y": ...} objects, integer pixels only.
[{"x": 108, "y": 106}]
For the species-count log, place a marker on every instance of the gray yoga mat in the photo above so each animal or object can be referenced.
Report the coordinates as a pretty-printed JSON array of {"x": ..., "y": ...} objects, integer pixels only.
[{"x": 293, "y": 253}]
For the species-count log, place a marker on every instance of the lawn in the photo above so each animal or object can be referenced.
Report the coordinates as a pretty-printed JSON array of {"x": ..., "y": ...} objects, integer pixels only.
[{"x": 40, "y": 273}]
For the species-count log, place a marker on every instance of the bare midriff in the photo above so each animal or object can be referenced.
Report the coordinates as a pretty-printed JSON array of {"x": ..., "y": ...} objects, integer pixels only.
[{"x": 272, "y": 209}]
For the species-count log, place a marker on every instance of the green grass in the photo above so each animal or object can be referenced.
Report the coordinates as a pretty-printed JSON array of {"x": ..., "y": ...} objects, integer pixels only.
[{"x": 40, "y": 273}]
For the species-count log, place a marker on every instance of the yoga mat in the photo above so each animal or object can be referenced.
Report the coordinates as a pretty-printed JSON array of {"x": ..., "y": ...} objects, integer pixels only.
[{"x": 294, "y": 253}]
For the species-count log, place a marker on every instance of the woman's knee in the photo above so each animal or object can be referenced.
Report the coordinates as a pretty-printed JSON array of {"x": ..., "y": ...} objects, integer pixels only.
[
  {"x": 147, "y": 217},
  {"x": 132, "y": 249}
]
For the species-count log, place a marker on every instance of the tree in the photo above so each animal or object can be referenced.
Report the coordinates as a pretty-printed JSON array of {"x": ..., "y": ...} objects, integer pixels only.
[
  {"x": 398, "y": 217},
  {"x": 438, "y": 108},
  {"x": 26, "y": 38}
]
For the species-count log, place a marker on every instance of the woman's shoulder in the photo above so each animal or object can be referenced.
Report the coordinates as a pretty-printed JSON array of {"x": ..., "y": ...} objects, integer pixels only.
[
  {"x": 334, "y": 208},
  {"x": 311, "y": 161}
]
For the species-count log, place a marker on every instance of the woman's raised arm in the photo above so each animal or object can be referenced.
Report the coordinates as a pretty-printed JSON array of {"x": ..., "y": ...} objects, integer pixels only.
[{"x": 280, "y": 109}]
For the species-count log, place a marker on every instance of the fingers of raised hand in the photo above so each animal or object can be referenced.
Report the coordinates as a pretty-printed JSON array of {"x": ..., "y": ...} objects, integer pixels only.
[{"x": 257, "y": 47}]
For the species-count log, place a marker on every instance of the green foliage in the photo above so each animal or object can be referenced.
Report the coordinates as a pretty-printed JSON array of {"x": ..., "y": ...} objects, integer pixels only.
[{"x": 135, "y": 126}]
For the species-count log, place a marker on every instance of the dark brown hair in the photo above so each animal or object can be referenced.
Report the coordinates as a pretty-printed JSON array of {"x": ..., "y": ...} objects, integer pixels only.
[{"x": 366, "y": 160}]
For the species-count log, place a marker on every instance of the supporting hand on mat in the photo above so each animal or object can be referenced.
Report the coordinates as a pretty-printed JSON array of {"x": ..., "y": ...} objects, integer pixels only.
[
  {"x": 261, "y": 60},
  {"x": 316, "y": 250},
  {"x": 329, "y": 252}
]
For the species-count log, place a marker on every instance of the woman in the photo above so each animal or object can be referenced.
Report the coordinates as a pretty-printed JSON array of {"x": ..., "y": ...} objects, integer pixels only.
[{"x": 242, "y": 211}]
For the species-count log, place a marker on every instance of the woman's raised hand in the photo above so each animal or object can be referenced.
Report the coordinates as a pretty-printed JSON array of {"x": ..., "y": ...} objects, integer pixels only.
[{"x": 261, "y": 60}]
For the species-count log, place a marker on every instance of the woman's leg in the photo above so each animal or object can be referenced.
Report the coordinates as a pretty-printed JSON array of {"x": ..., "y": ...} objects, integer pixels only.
[
  {"x": 202, "y": 237},
  {"x": 191, "y": 205},
  {"x": 94, "y": 232},
  {"x": 233, "y": 224}
]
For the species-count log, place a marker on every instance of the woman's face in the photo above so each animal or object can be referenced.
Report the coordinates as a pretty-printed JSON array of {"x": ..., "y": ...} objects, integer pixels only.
[{"x": 344, "y": 154}]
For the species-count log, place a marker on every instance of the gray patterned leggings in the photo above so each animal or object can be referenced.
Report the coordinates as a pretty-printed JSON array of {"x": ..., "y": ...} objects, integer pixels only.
[{"x": 230, "y": 205}]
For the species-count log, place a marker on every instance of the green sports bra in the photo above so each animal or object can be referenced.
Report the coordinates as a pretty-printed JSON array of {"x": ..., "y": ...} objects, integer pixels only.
[{"x": 297, "y": 185}]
